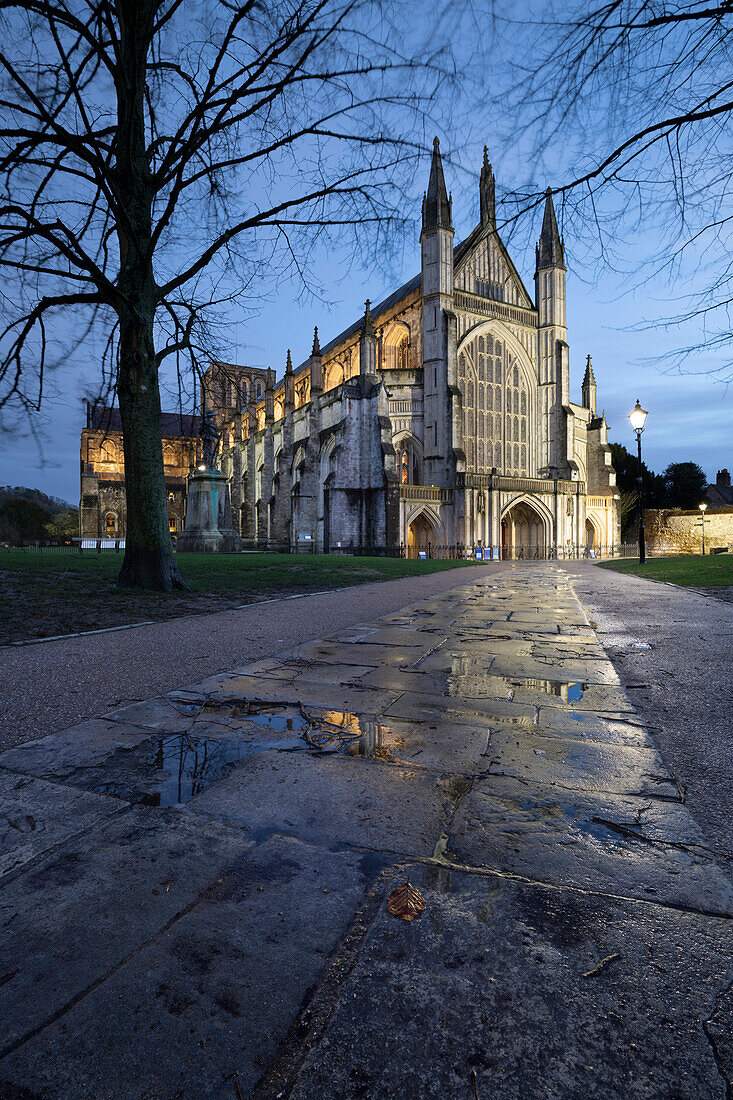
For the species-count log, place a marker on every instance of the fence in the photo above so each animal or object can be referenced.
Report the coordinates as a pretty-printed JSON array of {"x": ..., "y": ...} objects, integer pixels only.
[
  {"x": 455, "y": 551},
  {"x": 77, "y": 546}
]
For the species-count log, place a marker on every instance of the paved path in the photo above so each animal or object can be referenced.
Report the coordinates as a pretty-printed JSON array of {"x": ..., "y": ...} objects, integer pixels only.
[
  {"x": 673, "y": 649},
  {"x": 193, "y": 889},
  {"x": 50, "y": 685}
]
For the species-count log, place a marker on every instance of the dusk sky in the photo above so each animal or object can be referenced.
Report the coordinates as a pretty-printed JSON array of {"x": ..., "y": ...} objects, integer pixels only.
[
  {"x": 690, "y": 416},
  {"x": 690, "y": 413}
]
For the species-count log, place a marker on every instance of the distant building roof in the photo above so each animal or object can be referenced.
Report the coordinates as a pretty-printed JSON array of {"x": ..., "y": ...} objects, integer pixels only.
[{"x": 105, "y": 418}]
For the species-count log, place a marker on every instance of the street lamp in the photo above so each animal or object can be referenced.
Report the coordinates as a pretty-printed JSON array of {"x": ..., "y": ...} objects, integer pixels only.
[
  {"x": 702, "y": 523},
  {"x": 638, "y": 416}
]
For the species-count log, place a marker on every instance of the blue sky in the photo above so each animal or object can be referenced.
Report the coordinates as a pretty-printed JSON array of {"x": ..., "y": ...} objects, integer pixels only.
[{"x": 690, "y": 416}]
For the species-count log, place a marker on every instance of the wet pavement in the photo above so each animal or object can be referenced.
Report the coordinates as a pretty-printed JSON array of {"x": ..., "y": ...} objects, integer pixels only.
[{"x": 193, "y": 887}]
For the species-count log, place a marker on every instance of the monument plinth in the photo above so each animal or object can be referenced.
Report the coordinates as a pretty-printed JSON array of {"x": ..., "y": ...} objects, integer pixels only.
[{"x": 209, "y": 526}]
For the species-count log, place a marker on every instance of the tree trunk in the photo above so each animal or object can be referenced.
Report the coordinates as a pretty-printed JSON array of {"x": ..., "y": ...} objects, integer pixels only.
[{"x": 149, "y": 560}]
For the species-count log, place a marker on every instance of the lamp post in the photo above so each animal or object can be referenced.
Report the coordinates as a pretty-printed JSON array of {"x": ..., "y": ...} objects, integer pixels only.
[
  {"x": 638, "y": 416},
  {"x": 702, "y": 523}
]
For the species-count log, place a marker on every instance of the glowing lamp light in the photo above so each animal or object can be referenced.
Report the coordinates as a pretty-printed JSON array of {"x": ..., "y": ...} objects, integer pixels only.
[
  {"x": 702, "y": 507},
  {"x": 202, "y": 466},
  {"x": 638, "y": 416}
]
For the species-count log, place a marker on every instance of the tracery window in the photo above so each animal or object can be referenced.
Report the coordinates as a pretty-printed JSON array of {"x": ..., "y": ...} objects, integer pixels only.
[
  {"x": 409, "y": 465},
  {"x": 107, "y": 453},
  {"x": 491, "y": 381}
]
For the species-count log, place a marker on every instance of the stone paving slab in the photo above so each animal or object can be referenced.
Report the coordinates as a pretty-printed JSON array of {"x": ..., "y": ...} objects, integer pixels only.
[
  {"x": 471, "y": 711},
  {"x": 328, "y": 694},
  {"x": 36, "y": 816},
  {"x": 335, "y": 800},
  {"x": 71, "y": 919},
  {"x": 583, "y": 839},
  {"x": 585, "y": 766},
  {"x": 621, "y": 728},
  {"x": 204, "y": 1004},
  {"x": 492, "y": 979},
  {"x": 359, "y": 653},
  {"x": 58, "y": 755}
]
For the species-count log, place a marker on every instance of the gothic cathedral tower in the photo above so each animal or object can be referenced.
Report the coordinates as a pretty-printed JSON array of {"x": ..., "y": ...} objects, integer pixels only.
[
  {"x": 436, "y": 242},
  {"x": 554, "y": 369}
]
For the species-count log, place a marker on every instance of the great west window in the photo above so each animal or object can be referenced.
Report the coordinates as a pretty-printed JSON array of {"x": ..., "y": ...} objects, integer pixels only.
[{"x": 495, "y": 407}]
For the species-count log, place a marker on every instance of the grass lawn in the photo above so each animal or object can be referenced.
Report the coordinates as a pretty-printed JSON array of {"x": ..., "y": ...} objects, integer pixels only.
[
  {"x": 712, "y": 571},
  {"x": 59, "y": 592}
]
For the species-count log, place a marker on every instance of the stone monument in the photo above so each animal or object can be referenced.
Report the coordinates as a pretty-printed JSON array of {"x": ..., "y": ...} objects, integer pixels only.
[{"x": 209, "y": 526}]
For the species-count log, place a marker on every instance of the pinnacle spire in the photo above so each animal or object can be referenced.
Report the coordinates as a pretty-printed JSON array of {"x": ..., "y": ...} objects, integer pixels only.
[
  {"x": 436, "y": 205},
  {"x": 316, "y": 349},
  {"x": 589, "y": 379},
  {"x": 367, "y": 328},
  {"x": 550, "y": 250},
  {"x": 487, "y": 195},
  {"x": 289, "y": 364}
]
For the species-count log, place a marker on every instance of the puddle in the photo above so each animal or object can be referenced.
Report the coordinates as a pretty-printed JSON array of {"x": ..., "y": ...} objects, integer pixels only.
[
  {"x": 470, "y": 669},
  {"x": 570, "y": 691},
  {"x": 171, "y": 770},
  {"x": 178, "y": 768},
  {"x": 281, "y": 721}
]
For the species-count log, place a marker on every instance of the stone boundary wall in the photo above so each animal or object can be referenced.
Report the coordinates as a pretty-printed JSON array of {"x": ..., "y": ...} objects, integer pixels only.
[{"x": 674, "y": 531}]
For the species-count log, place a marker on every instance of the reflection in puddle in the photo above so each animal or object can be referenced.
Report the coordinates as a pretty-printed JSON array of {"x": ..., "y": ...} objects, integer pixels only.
[
  {"x": 171, "y": 770},
  {"x": 569, "y": 691},
  {"x": 279, "y": 721},
  {"x": 179, "y": 768},
  {"x": 471, "y": 678}
]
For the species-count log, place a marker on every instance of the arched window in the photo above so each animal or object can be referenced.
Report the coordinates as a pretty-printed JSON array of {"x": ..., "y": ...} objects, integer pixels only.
[
  {"x": 107, "y": 452},
  {"x": 409, "y": 461},
  {"x": 169, "y": 456},
  {"x": 496, "y": 406},
  {"x": 396, "y": 347},
  {"x": 172, "y": 523},
  {"x": 110, "y": 524}
]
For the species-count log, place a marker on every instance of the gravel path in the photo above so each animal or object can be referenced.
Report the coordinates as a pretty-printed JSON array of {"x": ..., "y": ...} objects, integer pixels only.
[
  {"x": 50, "y": 685},
  {"x": 682, "y": 684}
]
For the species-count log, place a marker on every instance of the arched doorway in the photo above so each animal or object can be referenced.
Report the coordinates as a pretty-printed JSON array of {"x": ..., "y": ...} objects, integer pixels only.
[
  {"x": 523, "y": 533},
  {"x": 420, "y": 536},
  {"x": 590, "y": 535}
]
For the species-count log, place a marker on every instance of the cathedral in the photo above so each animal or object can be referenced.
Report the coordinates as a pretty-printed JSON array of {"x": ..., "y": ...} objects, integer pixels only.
[{"x": 441, "y": 420}]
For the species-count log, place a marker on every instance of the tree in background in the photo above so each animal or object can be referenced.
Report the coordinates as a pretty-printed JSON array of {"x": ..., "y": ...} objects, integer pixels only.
[
  {"x": 162, "y": 160},
  {"x": 28, "y": 515},
  {"x": 627, "y": 105},
  {"x": 626, "y": 466},
  {"x": 22, "y": 521},
  {"x": 63, "y": 527},
  {"x": 684, "y": 485}
]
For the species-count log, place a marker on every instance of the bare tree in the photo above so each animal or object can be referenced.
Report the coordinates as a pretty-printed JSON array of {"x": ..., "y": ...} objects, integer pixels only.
[
  {"x": 625, "y": 107},
  {"x": 160, "y": 158}
]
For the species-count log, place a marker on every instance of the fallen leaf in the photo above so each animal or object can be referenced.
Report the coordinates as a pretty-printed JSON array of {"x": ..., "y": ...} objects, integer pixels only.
[{"x": 406, "y": 902}]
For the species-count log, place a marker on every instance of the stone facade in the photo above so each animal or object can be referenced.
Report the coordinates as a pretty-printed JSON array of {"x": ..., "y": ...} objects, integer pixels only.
[
  {"x": 442, "y": 418},
  {"x": 102, "y": 508}
]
